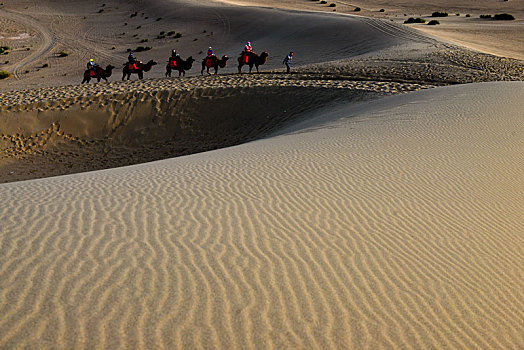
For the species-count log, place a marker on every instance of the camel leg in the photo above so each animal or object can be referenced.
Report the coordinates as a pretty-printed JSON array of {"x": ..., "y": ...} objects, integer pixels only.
[
  {"x": 257, "y": 68},
  {"x": 140, "y": 75}
]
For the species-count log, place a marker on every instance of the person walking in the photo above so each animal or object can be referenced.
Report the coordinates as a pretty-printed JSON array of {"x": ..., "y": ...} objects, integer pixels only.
[{"x": 287, "y": 61}]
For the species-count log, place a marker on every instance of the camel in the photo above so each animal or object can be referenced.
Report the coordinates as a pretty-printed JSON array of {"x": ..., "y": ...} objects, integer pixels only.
[
  {"x": 136, "y": 68},
  {"x": 214, "y": 62},
  {"x": 100, "y": 73},
  {"x": 180, "y": 65},
  {"x": 252, "y": 59}
]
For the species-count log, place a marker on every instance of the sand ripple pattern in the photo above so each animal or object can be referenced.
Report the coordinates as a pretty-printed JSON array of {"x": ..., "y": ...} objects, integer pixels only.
[{"x": 394, "y": 225}]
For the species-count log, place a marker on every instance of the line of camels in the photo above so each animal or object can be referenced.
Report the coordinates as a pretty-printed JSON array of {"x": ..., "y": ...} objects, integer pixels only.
[{"x": 250, "y": 59}]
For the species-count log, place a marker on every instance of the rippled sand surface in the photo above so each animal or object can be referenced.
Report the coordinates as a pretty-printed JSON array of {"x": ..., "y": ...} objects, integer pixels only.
[{"x": 392, "y": 224}]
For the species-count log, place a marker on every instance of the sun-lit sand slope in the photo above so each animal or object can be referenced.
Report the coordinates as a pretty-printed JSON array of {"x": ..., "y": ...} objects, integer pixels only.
[{"x": 393, "y": 224}]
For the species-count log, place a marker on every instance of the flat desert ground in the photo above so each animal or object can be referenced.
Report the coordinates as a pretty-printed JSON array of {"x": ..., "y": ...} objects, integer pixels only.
[{"x": 374, "y": 198}]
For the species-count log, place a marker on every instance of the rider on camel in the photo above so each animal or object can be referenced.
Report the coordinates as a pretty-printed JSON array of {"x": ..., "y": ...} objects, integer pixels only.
[
  {"x": 248, "y": 51},
  {"x": 209, "y": 57},
  {"x": 174, "y": 59},
  {"x": 91, "y": 65}
]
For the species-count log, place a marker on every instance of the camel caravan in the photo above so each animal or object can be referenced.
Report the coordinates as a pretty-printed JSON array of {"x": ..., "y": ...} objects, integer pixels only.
[{"x": 175, "y": 63}]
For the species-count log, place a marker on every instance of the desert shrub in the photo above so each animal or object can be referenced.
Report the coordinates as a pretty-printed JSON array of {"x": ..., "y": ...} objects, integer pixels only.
[
  {"x": 144, "y": 40},
  {"x": 160, "y": 36},
  {"x": 381, "y": 10},
  {"x": 171, "y": 32},
  {"x": 332, "y": 4},
  {"x": 4, "y": 74},
  {"x": 159, "y": 19},
  {"x": 468, "y": 15},
  {"x": 63, "y": 54},
  {"x": 134, "y": 15},
  {"x": 439, "y": 14},
  {"x": 323, "y": 2},
  {"x": 433, "y": 22},
  {"x": 4, "y": 50},
  {"x": 504, "y": 17},
  {"x": 457, "y": 14},
  {"x": 178, "y": 35},
  {"x": 101, "y": 10},
  {"x": 45, "y": 65},
  {"x": 138, "y": 27},
  {"x": 415, "y": 20},
  {"x": 142, "y": 48},
  {"x": 485, "y": 16},
  {"x": 356, "y": 9}
]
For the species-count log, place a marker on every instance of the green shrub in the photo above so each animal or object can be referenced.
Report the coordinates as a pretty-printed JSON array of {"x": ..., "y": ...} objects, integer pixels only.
[
  {"x": 63, "y": 54},
  {"x": 433, "y": 22},
  {"x": 439, "y": 14},
  {"x": 4, "y": 74},
  {"x": 504, "y": 17},
  {"x": 415, "y": 20}
]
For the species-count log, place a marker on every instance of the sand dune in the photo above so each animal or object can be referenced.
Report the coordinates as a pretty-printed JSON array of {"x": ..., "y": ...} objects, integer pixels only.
[{"x": 392, "y": 224}]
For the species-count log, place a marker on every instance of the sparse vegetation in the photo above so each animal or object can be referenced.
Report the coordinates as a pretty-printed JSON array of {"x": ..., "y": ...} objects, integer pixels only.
[
  {"x": 415, "y": 20},
  {"x": 332, "y": 4},
  {"x": 178, "y": 35},
  {"x": 138, "y": 27},
  {"x": 439, "y": 14},
  {"x": 27, "y": 49},
  {"x": 357, "y": 9},
  {"x": 134, "y": 15},
  {"x": 101, "y": 10},
  {"x": 63, "y": 54},
  {"x": 381, "y": 10},
  {"x": 144, "y": 40},
  {"x": 172, "y": 32},
  {"x": 433, "y": 22},
  {"x": 504, "y": 17},
  {"x": 485, "y": 16},
  {"x": 457, "y": 14},
  {"x": 159, "y": 19},
  {"x": 468, "y": 15},
  {"x": 4, "y": 74},
  {"x": 4, "y": 50},
  {"x": 142, "y": 48},
  {"x": 323, "y": 2},
  {"x": 45, "y": 65}
]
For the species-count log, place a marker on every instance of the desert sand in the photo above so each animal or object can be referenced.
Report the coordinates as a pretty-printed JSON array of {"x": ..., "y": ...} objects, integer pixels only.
[
  {"x": 371, "y": 199},
  {"x": 394, "y": 224}
]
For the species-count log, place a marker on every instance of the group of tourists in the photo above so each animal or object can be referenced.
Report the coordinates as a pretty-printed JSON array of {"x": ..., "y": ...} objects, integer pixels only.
[{"x": 175, "y": 58}]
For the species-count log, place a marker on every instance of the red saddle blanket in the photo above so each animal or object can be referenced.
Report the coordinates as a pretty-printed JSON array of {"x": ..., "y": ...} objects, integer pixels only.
[
  {"x": 173, "y": 63},
  {"x": 92, "y": 73},
  {"x": 132, "y": 66},
  {"x": 208, "y": 62}
]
